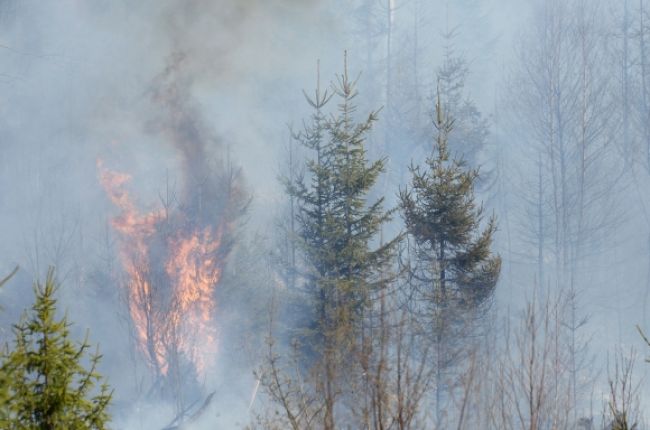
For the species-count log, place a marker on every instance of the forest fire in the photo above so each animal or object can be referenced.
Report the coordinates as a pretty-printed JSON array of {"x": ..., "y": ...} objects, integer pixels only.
[
  {"x": 172, "y": 268},
  {"x": 174, "y": 256}
]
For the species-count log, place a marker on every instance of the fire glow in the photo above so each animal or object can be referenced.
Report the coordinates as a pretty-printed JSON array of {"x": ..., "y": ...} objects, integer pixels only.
[{"x": 171, "y": 278}]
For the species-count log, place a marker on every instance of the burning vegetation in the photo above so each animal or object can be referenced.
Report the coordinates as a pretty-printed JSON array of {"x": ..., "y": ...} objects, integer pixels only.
[
  {"x": 367, "y": 292},
  {"x": 173, "y": 256}
]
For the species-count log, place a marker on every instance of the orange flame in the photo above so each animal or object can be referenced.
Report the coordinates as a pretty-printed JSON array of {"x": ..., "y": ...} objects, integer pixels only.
[
  {"x": 194, "y": 273},
  {"x": 175, "y": 314}
]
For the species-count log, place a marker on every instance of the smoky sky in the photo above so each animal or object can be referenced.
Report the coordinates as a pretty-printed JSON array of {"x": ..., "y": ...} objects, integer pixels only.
[
  {"x": 165, "y": 89},
  {"x": 84, "y": 80}
]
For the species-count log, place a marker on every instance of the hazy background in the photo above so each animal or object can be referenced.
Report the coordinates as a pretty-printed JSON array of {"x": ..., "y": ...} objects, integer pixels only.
[{"x": 76, "y": 82}]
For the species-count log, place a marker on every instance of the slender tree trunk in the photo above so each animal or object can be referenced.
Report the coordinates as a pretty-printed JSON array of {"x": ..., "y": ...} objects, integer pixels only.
[
  {"x": 329, "y": 392},
  {"x": 540, "y": 223},
  {"x": 416, "y": 47},
  {"x": 626, "y": 81},
  {"x": 440, "y": 338},
  {"x": 390, "y": 9},
  {"x": 292, "y": 222},
  {"x": 644, "y": 83}
]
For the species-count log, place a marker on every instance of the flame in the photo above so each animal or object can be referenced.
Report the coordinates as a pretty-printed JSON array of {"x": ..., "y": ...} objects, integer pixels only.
[
  {"x": 171, "y": 314},
  {"x": 194, "y": 273}
]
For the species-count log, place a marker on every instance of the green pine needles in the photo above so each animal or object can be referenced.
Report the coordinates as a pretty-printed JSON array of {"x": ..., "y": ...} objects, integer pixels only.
[
  {"x": 338, "y": 227},
  {"x": 45, "y": 384},
  {"x": 451, "y": 263},
  {"x": 344, "y": 262}
]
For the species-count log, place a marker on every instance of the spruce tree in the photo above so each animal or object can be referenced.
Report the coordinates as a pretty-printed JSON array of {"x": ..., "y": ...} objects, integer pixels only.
[
  {"x": 48, "y": 386},
  {"x": 337, "y": 226},
  {"x": 452, "y": 261},
  {"x": 354, "y": 222},
  {"x": 452, "y": 271},
  {"x": 338, "y": 231}
]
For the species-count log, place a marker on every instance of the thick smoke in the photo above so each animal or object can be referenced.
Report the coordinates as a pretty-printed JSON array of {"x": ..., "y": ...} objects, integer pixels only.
[
  {"x": 191, "y": 99},
  {"x": 179, "y": 94}
]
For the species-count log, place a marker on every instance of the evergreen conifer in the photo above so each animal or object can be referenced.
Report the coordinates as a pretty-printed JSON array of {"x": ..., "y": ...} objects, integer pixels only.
[{"x": 46, "y": 384}]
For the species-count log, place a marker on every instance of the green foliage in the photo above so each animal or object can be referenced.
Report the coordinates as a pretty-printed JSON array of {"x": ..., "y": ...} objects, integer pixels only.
[
  {"x": 46, "y": 385},
  {"x": 343, "y": 261},
  {"x": 4, "y": 378},
  {"x": 451, "y": 262},
  {"x": 336, "y": 225}
]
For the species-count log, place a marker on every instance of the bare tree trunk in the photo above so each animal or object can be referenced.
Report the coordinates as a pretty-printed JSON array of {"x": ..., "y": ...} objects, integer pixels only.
[
  {"x": 390, "y": 9},
  {"x": 540, "y": 224}
]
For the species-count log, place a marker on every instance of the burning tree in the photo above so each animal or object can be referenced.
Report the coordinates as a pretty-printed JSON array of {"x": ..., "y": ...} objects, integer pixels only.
[{"x": 174, "y": 256}]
